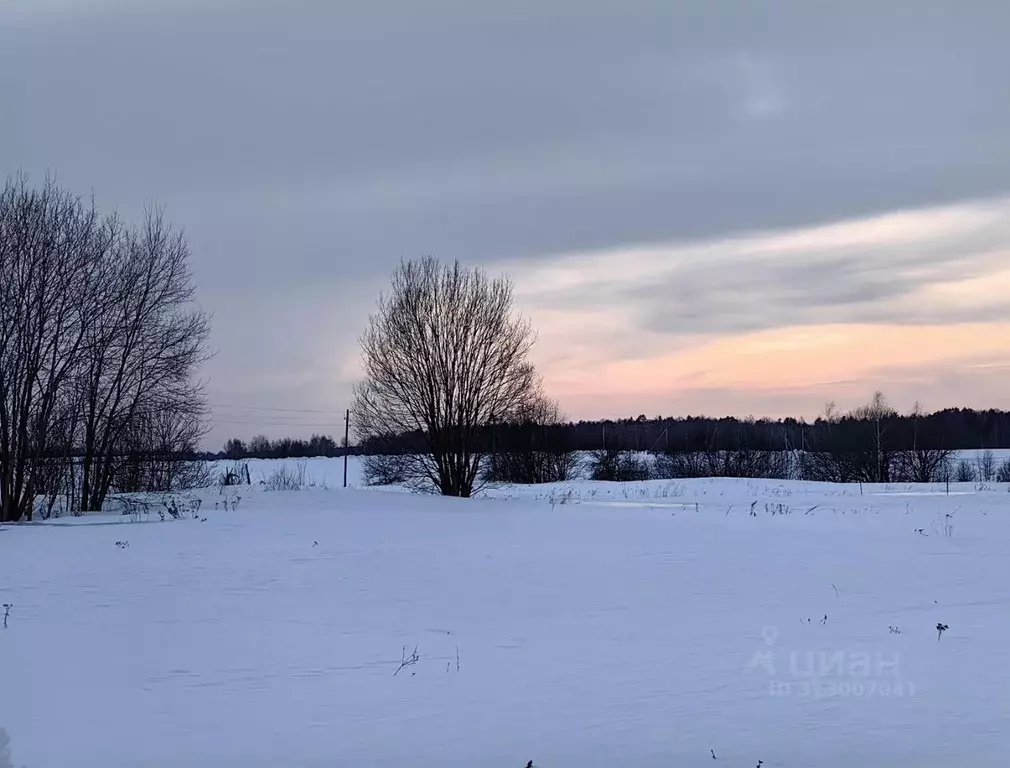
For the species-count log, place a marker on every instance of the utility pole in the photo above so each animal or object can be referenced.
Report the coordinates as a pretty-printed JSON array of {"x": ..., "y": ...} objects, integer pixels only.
[{"x": 347, "y": 442}]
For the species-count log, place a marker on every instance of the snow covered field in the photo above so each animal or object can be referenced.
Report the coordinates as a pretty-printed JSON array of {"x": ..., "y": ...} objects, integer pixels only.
[
  {"x": 330, "y": 472},
  {"x": 581, "y": 625}
]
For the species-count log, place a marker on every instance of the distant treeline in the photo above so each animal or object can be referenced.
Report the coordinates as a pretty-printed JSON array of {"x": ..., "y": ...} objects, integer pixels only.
[
  {"x": 261, "y": 447},
  {"x": 952, "y": 429},
  {"x": 872, "y": 443}
]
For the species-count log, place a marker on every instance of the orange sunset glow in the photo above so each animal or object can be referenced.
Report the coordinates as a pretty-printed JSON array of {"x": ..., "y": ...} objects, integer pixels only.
[{"x": 778, "y": 323}]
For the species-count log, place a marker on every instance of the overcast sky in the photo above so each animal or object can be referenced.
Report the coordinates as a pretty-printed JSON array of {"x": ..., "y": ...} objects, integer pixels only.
[{"x": 709, "y": 206}]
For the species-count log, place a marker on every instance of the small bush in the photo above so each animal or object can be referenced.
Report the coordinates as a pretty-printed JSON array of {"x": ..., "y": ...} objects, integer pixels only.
[
  {"x": 532, "y": 448},
  {"x": 385, "y": 469},
  {"x": 672, "y": 465},
  {"x": 531, "y": 467},
  {"x": 287, "y": 478},
  {"x": 616, "y": 466},
  {"x": 236, "y": 474}
]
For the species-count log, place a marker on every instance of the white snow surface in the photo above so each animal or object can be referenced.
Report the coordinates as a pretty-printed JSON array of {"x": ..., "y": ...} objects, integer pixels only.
[
  {"x": 329, "y": 472},
  {"x": 586, "y": 624}
]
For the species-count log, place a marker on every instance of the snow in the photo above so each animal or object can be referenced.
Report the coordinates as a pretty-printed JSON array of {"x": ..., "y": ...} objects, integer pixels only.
[
  {"x": 328, "y": 472},
  {"x": 596, "y": 624}
]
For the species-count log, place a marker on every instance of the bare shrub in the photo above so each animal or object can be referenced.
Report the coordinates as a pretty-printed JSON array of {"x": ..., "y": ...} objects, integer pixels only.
[
  {"x": 236, "y": 474},
  {"x": 444, "y": 358},
  {"x": 610, "y": 464},
  {"x": 672, "y": 465},
  {"x": 156, "y": 453},
  {"x": 748, "y": 463},
  {"x": 533, "y": 449},
  {"x": 531, "y": 467},
  {"x": 287, "y": 478},
  {"x": 387, "y": 469},
  {"x": 922, "y": 465}
]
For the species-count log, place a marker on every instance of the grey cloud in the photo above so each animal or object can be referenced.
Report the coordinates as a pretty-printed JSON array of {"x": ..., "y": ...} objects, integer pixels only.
[
  {"x": 693, "y": 291},
  {"x": 881, "y": 105},
  {"x": 751, "y": 300}
]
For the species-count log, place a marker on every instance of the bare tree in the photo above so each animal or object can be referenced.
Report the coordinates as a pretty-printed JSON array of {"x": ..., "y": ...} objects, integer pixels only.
[
  {"x": 927, "y": 461},
  {"x": 444, "y": 356},
  {"x": 877, "y": 413},
  {"x": 922, "y": 465},
  {"x": 857, "y": 446},
  {"x": 826, "y": 458},
  {"x": 387, "y": 468},
  {"x": 987, "y": 466},
  {"x": 143, "y": 351},
  {"x": 52, "y": 247}
]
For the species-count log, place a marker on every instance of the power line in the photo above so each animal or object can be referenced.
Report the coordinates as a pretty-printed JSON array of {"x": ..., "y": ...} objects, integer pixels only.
[
  {"x": 279, "y": 410},
  {"x": 222, "y": 413},
  {"x": 272, "y": 423}
]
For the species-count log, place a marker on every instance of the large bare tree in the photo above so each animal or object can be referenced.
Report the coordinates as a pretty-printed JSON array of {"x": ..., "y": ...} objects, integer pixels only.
[
  {"x": 52, "y": 250},
  {"x": 444, "y": 356},
  {"x": 143, "y": 353}
]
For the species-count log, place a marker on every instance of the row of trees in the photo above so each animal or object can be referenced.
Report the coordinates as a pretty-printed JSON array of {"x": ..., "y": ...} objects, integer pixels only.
[
  {"x": 262, "y": 447},
  {"x": 860, "y": 446},
  {"x": 99, "y": 347},
  {"x": 904, "y": 467},
  {"x": 871, "y": 443},
  {"x": 953, "y": 428}
]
